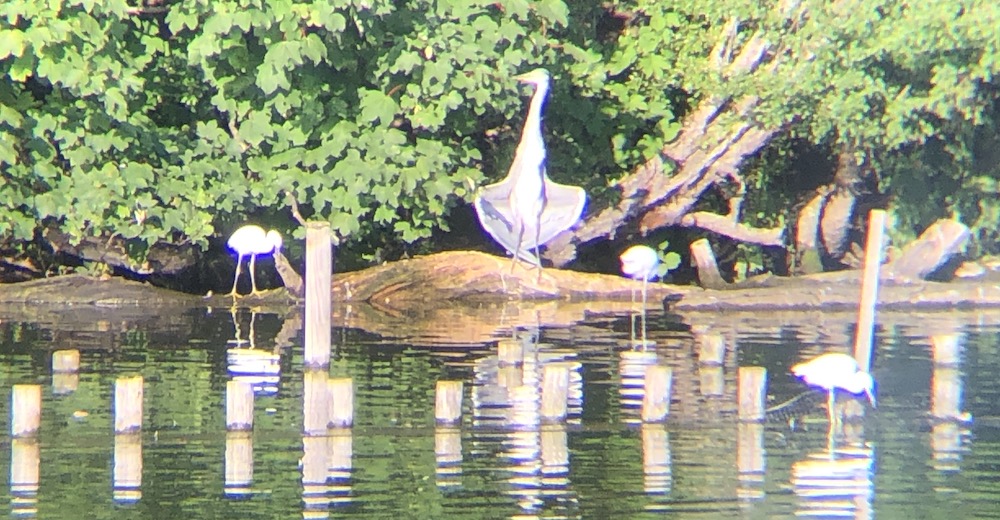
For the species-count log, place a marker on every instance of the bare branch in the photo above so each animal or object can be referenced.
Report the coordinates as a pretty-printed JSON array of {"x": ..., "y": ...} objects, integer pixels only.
[{"x": 725, "y": 226}]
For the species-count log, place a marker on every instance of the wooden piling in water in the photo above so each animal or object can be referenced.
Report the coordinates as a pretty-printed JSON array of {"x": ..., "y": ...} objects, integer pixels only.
[
  {"x": 315, "y": 402},
  {"x": 319, "y": 274},
  {"x": 656, "y": 397},
  {"x": 341, "y": 396},
  {"x": 448, "y": 402},
  {"x": 946, "y": 378},
  {"x": 510, "y": 352},
  {"x": 128, "y": 404},
  {"x": 555, "y": 392},
  {"x": 711, "y": 349},
  {"x": 752, "y": 390},
  {"x": 66, "y": 361},
  {"x": 869, "y": 289},
  {"x": 239, "y": 406},
  {"x": 25, "y": 410},
  {"x": 127, "y": 467}
]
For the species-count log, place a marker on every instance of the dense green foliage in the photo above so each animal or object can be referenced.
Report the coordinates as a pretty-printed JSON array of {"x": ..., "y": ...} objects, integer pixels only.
[{"x": 174, "y": 122}]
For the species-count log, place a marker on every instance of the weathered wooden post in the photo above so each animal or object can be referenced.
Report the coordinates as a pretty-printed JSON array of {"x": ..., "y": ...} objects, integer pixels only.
[
  {"x": 448, "y": 402},
  {"x": 869, "y": 290},
  {"x": 656, "y": 397},
  {"x": 341, "y": 395},
  {"x": 319, "y": 273},
  {"x": 239, "y": 405},
  {"x": 555, "y": 392},
  {"x": 26, "y": 410}
]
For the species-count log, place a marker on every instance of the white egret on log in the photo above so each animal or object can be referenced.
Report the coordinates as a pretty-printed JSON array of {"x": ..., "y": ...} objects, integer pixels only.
[
  {"x": 251, "y": 241},
  {"x": 526, "y": 209},
  {"x": 835, "y": 370}
]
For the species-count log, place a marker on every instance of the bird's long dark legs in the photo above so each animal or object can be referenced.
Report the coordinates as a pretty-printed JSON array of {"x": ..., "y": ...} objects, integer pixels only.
[
  {"x": 520, "y": 238},
  {"x": 239, "y": 262}
]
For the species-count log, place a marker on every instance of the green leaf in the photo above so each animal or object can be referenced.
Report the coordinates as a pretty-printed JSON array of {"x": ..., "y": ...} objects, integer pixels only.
[
  {"x": 376, "y": 106},
  {"x": 12, "y": 43}
]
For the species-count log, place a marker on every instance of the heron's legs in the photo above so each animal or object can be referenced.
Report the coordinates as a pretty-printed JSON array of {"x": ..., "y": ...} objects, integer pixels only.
[
  {"x": 253, "y": 281},
  {"x": 644, "y": 281},
  {"x": 239, "y": 263},
  {"x": 831, "y": 413},
  {"x": 520, "y": 237}
]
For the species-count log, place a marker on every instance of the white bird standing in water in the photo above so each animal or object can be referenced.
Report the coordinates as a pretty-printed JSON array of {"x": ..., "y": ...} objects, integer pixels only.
[
  {"x": 527, "y": 209},
  {"x": 640, "y": 263},
  {"x": 835, "y": 370},
  {"x": 251, "y": 241}
]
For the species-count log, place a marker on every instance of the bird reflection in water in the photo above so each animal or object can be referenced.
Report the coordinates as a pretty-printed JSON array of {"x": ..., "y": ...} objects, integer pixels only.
[{"x": 260, "y": 367}]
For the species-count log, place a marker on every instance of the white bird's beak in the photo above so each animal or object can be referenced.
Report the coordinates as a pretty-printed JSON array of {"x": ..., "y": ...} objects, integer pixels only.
[{"x": 871, "y": 396}]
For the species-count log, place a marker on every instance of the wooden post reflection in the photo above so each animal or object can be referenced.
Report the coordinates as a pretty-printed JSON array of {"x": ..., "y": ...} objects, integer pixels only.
[
  {"x": 711, "y": 357},
  {"x": 25, "y": 464},
  {"x": 632, "y": 370},
  {"x": 948, "y": 429},
  {"x": 448, "y": 456},
  {"x": 750, "y": 460},
  {"x": 315, "y": 457},
  {"x": 315, "y": 402},
  {"x": 554, "y": 455},
  {"x": 128, "y": 467},
  {"x": 656, "y": 469},
  {"x": 340, "y": 448},
  {"x": 239, "y": 464}
]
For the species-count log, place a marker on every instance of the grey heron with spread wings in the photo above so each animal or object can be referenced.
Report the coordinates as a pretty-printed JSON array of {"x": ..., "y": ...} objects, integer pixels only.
[{"x": 526, "y": 209}]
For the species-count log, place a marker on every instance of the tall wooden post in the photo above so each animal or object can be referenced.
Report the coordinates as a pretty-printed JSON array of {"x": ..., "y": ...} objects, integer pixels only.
[{"x": 319, "y": 274}]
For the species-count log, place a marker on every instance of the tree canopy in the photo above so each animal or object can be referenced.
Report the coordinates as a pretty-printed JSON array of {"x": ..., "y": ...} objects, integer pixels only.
[{"x": 169, "y": 122}]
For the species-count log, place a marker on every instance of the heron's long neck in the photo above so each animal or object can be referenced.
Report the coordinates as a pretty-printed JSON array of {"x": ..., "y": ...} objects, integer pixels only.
[{"x": 532, "y": 132}]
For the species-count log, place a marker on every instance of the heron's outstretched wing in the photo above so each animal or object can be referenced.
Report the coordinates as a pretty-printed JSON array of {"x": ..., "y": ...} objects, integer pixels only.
[
  {"x": 493, "y": 209},
  {"x": 563, "y": 208}
]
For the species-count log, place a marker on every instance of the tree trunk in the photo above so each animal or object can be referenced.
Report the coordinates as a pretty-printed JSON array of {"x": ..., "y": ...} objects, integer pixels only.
[{"x": 715, "y": 139}]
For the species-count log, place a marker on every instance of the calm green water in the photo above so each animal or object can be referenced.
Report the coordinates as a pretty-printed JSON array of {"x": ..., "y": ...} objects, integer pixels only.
[{"x": 895, "y": 462}]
